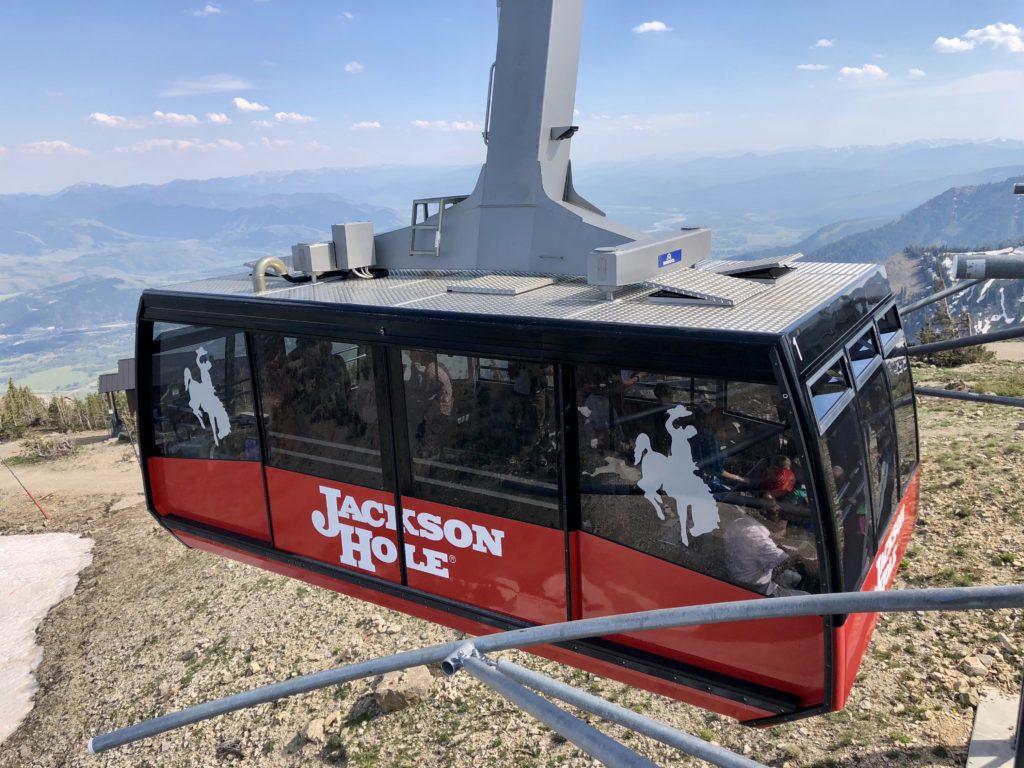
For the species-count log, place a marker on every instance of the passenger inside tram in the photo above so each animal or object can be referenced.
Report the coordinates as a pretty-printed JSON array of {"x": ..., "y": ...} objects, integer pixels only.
[{"x": 737, "y": 443}]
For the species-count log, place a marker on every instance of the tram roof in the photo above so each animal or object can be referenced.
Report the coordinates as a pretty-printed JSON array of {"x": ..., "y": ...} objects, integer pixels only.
[{"x": 775, "y": 308}]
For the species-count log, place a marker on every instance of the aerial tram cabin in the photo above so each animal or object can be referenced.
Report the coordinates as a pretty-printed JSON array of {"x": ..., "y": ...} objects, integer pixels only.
[{"x": 514, "y": 412}]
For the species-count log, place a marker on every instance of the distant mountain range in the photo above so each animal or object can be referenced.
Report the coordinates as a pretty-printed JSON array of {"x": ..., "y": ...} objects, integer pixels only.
[
  {"x": 74, "y": 262},
  {"x": 981, "y": 217}
]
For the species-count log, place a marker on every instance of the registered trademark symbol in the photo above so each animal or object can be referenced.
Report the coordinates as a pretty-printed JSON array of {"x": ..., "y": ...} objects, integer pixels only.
[{"x": 451, "y": 558}]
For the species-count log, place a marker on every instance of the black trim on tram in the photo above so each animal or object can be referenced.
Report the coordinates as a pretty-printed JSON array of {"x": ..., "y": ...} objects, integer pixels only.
[
  {"x": 714, "y": 683},
  {"x": 569, "y": 509},
  {"x": 261, "y": 428},
  {"x": 144, "y": 389},
  {"x": 799, "y": 419}
]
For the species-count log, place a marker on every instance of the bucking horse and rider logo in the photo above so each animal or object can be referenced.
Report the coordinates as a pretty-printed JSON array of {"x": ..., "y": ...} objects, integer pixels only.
[
  {"x": 202, "y": 398},
  {"x": 676, "y": 475}
]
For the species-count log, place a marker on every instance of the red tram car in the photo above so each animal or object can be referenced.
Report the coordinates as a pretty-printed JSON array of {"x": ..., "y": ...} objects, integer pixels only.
[{"x": 494, "y": 460}]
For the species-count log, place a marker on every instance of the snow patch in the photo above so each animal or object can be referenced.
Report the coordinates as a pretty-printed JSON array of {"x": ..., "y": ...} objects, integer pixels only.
[{"x": 36, "y": 573}]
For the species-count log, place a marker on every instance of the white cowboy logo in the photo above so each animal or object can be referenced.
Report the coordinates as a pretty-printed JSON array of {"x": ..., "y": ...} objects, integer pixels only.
[
  {"x": 676, "y": 474},
  {"x": 202, "y": 398}
]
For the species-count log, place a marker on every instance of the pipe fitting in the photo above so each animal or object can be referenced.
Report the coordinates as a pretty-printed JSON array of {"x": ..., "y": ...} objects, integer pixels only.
[
  {"x": 259, "y": 272},
  {"x": 457, "y": 660}
]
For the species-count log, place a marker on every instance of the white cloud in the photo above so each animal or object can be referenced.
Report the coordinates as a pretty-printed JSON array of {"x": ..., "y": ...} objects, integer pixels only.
[
  {"x": 952, "y": 45},
  {"x": 175, "y": 119},
  {"x": 181, "y": 145},
  {"x": 366, "y": 125},
  {"x": 354, "y": 67},
  {"x": 249, "y": 106},
  {"x": 824, "y": 43},
  {"x": 445, "y": 125},
  {"x": 292, "y": 117},
  {"x": 999, "y": 35},
  {"x": 865, "y": 74},
  {"x": 207, "y": 84},
  {"x": 652, "y": 26},
  {"x": 208, "y": 10},
  {"x": 915, "y": 72},
  {"x": 812, "y": 67},
  {"x": 111, "y": 121},
  {"x": 218, "y": 118},
  {"x": 263, "y": 124},
  {"x": 53, "y": 148},
  {"x": 348, "y": 15},
  {"x": 3, "y": 151},
  {"x": 274, "y": 143}
]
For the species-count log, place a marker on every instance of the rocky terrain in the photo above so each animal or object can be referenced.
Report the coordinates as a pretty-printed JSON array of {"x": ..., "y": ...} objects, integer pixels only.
[{"x": 154, "y": 627}]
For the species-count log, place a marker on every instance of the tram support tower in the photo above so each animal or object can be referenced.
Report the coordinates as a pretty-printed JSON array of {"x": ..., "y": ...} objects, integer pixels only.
[{"x": 524, "y": 214}]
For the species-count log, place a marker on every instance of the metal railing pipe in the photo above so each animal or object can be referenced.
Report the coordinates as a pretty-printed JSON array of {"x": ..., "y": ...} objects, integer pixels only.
[
  {"x": 929, "y": 300},
  {"x": 586, "y": 737},
  {"x": 268, "y": 693},
  {"x": 940, "y": 599},
  {"x": 967, "y": 341},
  {"x": 613, "y": 713},
  {"x": 953, "y": 394}
]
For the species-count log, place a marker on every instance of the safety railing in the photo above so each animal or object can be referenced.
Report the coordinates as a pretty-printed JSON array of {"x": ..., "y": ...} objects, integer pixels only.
[{"x": 512, "y": 681}]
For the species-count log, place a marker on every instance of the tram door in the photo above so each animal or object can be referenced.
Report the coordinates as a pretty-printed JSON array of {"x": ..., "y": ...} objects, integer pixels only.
[
  {"x": 479, "y": 456},
  {"x": 329, "y": 477},
  {"x": 694, "y": 491},
  {"x": 204, "y": 454}
]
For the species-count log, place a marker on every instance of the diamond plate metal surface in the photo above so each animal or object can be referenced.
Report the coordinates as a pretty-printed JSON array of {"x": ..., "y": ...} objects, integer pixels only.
[
  {"x": 501, "y": 285},
  {"x": 758, "y": 307},
  {"x": 729, "y": 266},
  {"x": 707, "y": 286}
]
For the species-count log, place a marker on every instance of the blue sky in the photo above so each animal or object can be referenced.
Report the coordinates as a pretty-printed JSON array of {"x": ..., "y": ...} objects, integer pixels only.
[{"x": 116, "y": 92}]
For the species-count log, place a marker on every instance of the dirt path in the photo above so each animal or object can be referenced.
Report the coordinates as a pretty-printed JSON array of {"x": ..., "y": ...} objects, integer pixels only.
[{"x": 154, "y": 627}]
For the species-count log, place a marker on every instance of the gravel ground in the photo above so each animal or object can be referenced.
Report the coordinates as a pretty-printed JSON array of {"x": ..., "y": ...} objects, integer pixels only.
[{"x": 154, "y": 627}]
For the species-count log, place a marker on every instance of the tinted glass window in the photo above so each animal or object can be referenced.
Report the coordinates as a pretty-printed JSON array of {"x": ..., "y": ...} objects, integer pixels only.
[
  {"x": 483, "y": 434},
  {"x": 829, "y": 389},
  {"x": 880, "y": 443},
  {"x": 898, "y": 369},
  {"x": 760, "y": 401},
  {"x": 667, "y": 470},
  {"x": 320, "y": 408},
  {"x": 846, "y": 480},
  {"x": 863, "y": 353},
  {"x": 889, "y": 327},
  {"x": 202, "y": 394}
]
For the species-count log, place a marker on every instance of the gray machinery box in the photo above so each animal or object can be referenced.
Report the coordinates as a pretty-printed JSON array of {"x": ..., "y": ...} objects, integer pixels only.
[
  {"x": 648, "y": 259},
  {"x": 313, "y": 258},
  {"x": 353, "y": 245}
]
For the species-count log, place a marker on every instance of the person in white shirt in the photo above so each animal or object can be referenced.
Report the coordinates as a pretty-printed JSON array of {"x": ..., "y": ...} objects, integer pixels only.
[{"x": 752, "y": 556}]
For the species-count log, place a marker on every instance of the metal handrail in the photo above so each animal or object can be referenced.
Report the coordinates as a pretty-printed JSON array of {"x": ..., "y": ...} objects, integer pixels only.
[
  {"x": 939, "y": 296},
  {"x": 966, "y": 341},
  {"x": 941, "y": 599}
]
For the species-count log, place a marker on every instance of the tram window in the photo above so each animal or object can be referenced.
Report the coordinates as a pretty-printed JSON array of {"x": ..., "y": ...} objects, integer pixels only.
[
  {"x": 666, "y": 471},
  {"x": 830, "y": 389},
  {"x": 863, "y": 355},
  {"x": 902, "y": 392},
  {"x": 202, "y": 394},
  {"x": 889, "y": 327},
  {"x": 762, "y": 401},
  {"x": 880, "y": 442},
  {"x": 846, "y": 478},
  {"x": 320, "y": 408},
  {"x": 483, "y": 435}
]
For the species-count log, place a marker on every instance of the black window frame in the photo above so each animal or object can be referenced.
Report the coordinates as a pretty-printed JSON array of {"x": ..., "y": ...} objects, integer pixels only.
[{"x": 824, "y": 420}]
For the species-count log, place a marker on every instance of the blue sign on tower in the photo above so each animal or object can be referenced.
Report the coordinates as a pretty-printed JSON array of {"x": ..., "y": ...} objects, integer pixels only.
[{"x": 670, "y": 258}]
